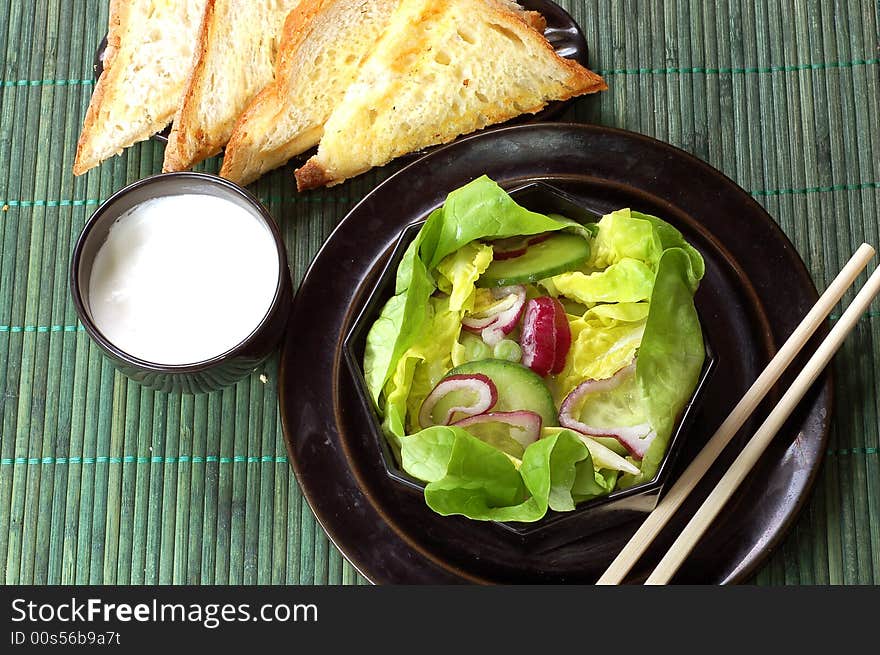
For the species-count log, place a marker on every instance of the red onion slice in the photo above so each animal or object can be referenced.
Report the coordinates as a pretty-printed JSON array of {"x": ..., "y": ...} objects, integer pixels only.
[
  {"x": 476, "y": 322},
  {"x": 503, "y": 320},
  {"x": 484, "y": 391},
  {"x": 635, "y": 438},
  {"x": 512, "y": 247},
  {"x": 525, "y": 425},
  {"x": 538, "y": 238},
  {"x": 509, "y": 248}
]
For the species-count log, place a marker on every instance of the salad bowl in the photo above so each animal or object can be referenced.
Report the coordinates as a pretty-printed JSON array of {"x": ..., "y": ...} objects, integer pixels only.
[{"x": 555, "y": 527}]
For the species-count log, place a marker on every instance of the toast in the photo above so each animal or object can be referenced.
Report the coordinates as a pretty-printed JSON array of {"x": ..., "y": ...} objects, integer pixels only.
[
  {"x": 234, "y": 60},
  {"x": 149, "y": 54},
  {"x": 443, "y": 68},
  {"x": 323, "y": 45}
]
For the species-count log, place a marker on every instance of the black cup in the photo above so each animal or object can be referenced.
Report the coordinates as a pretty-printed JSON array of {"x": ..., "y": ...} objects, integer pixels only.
[{"x": 210, "y": 374}]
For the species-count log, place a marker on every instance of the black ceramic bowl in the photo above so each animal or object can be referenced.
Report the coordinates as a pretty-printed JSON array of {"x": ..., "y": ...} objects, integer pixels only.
[
  {"x": 588, "y": 517},
  {"x": 210, "y": 374}
]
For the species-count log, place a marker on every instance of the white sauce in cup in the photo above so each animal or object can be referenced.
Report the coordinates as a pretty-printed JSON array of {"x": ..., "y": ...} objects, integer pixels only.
[{"x": 182, "y": 279}]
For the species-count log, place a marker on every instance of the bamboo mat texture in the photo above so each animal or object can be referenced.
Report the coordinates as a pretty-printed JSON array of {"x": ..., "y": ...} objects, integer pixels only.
[{"x": 102, "y": 481}]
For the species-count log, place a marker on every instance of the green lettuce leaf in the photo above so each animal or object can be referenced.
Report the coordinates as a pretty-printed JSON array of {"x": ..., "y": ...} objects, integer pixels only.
[
  {"x": 603, "y": 456},
  {"x": 672, "y": 238},
  {"x": 603, "y": 341},
  {"x": 478, "y": 210},
  {"x": 671, "y": 355},
  {"x": 627, "y": 233},
  {"x": 421, "y": 367},
  {"x": 592, "y": 484},
  {"x": 627, "y": 280},
  {"x": 459, "y": 272},
  {"x": 401, "y": 319},
  {"x": 468, "y": 477},
  {"x": 620, "y": 236},
  {"x": 483, "y": 210}
]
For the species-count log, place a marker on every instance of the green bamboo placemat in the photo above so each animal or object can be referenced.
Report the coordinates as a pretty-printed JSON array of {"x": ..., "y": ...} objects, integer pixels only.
[{"x": 103, "y": 481}]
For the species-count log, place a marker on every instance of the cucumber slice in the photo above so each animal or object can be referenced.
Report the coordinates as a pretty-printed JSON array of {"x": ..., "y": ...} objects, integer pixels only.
[
  {"x": 518, "y": 388},
  {"x": 622, "y": 406},
  {"x": 459, "y": 398},
  {"x": 498, "y": 436},
  {"x": 560, "y": 253}
]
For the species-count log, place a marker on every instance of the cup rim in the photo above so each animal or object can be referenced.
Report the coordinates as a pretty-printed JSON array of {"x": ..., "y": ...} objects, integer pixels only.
[{"x": 193, "y": 367}]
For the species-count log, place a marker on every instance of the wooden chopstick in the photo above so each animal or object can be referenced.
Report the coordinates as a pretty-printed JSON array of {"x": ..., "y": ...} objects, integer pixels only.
[
  {"x": 674, "y": 498},
  {"x": 753, "y": 450}
]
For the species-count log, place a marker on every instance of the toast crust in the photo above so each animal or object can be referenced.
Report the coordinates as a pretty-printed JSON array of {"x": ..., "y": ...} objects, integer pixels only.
[
  {"x": 238, "y": 164},
  {"x": 312, "y": 175},
  {"x": 111, "y": 124},
  {"x": 225, "y": 78},
  {"x": 180, "y": 134},
  {"x": 119, "y": 12},
  {"x": 237, "y": 161},
  {"x": 250, "y": 152},
  {"x": 536, "y": 21}
]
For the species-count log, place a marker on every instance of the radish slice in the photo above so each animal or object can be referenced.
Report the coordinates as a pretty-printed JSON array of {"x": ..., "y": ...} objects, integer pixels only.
[
  {"x": 480, "y": 391},
  {"x": 503, "y": 320},
  {"x": 635, "y": 438},
  {"x": 525, "y": 426},
  {"x": 546, "y": 336},
  {"x": 563, "y": 338}
]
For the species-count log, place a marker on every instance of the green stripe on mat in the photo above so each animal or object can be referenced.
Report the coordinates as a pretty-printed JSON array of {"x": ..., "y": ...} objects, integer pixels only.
[
  {"x": 9, "y": 83},
  {"x": 859, "y": 186},
  {"x": 133, "y": 459},
  {"x": 817, "y": 189},
  {"x": 42, "y": 328},
  {"x": 240, "y": 459},
  {"x": 50, "y": 203},
  {"x": 675, "y": 70},
  {"x": 854, "y": 451}
]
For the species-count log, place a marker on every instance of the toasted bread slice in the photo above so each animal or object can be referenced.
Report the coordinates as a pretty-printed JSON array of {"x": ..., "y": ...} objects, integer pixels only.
[
  {"x": 443, "y": 68},
  {"x": 234, "y": 61},
  {"x": 149, "y": 55},
  {"x": 323, "y": 45}
]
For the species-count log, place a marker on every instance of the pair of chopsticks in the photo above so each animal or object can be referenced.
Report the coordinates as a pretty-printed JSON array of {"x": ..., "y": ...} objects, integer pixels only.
[{"x": 753, "y": 450}]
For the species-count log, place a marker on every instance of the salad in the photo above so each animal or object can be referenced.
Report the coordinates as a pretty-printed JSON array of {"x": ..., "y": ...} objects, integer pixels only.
[{"x": 528, "y": 362}]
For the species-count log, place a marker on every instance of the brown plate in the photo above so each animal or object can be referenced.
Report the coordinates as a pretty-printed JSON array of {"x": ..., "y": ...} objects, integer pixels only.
[
  {"x": 562, "y": 32},
  {"x": 755, "y": 291}
]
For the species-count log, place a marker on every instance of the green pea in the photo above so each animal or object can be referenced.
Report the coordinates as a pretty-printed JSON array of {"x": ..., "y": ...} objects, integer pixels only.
[
  {"x": 475, "y": 348},
  {"x": 507, "y": 349}
]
